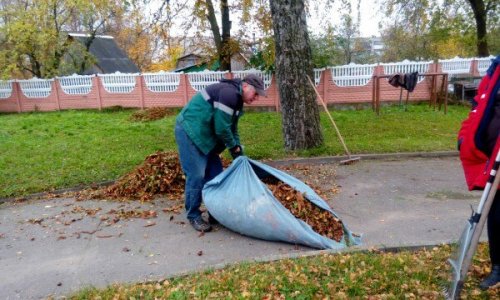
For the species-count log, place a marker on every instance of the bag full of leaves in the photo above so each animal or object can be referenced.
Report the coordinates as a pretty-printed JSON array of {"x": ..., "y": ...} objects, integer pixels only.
[{"x": 242, "y": 202}]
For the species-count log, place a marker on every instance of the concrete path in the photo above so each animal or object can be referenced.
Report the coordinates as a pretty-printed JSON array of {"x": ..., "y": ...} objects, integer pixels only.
[{"x": 58, "y": 246}]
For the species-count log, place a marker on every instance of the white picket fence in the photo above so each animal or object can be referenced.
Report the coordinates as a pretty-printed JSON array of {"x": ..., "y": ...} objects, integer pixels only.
[
  {"x": 455, "y": 66},
  {"x": 265, "y": 76},
  {"x": 344, "y": 76},
  {"x": 201, "y": 80},
  {"x": 352, "y": 74},
  {"x": 119, "y": 82},
  {"x": 5, "y": 89},
  {"x": 35, "y": 87},
  {"x": 407, "y": 66},
  {"x": 483, "y": 64},
  {"x": 317, "y": 75},
  {"x": 76, "y": 84},
  {"x": 162, "y": 81}
]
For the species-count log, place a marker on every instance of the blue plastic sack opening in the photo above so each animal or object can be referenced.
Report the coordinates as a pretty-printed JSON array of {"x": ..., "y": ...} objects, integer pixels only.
[{"x": 240, "y": 201}]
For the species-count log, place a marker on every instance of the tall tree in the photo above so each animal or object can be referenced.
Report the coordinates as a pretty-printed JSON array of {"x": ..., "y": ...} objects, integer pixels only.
[
  {"x": 481, "y": 8},
  {"x": 325, "y": 49},
  {"x": 133, "y": 32},
  {"x": 346, "y": 38},
  {"x": 300, "y": 114},
  {"x": 205, "y": 9},
  {"x": 35, "y": 38},
  {"x": 167, "y": 47},
  {"x": 430, "y": 24},
  {"x": 251, "y": 14}
]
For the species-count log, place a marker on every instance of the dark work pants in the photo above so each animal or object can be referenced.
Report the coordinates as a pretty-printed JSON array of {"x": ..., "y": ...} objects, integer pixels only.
[{"x": 494, "y": 230}]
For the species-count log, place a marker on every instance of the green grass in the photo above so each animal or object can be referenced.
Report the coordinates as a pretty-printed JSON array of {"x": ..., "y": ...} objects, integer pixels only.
[
  {"x": 404, "y": 275},
  {"x": 52, "y": 150}
]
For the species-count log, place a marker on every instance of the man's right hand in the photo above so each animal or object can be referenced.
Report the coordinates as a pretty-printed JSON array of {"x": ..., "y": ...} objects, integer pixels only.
[{"x": 236, "y": 151}]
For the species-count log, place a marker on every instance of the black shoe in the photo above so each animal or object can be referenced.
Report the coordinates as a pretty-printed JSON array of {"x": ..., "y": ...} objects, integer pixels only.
[
  {"x": 200, "y": 225},
  {"x": 491, "y": 279},
  {"x": 212, "y": 220}
]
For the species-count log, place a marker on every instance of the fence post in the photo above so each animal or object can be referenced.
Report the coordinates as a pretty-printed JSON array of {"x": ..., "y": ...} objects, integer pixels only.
[
  {"x": 474, "y": 67},
  {"x": 17, "y": 87},
  {"x": 141, "y": 87},
  {"x": 57, "y": 94},
  {"x": 99, "y": 100},
  {"x": 323, "y": 75},
  {"x": 185, "y": 77}
]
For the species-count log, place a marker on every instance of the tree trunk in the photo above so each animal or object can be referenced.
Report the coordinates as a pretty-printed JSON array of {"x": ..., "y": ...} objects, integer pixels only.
[
  {"x": 300, "y": 114},
  {"x": 225, "y": 54},
  {"x": 213, "y": 25},
  {"x": 480, "y": 15},
  {"x": 222, "y": 44}
]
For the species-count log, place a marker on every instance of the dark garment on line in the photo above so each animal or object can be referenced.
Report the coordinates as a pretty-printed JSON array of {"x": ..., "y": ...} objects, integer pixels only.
[{"x": 407, "y": 81}]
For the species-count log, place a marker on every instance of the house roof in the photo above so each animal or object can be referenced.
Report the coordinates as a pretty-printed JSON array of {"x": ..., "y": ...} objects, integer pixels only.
[
  {"x": 188, "y": 55},
  {"x": 110, "y": 57}
]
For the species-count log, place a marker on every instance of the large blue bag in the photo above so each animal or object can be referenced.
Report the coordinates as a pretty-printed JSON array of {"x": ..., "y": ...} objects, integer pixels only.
[{"x": 240, "y": 201}]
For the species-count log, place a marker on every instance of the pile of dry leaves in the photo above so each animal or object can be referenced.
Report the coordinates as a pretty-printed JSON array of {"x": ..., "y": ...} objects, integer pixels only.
[
  {"x": 160, "y": 173},
  {"x": 151, "y": 114},
  {"x": 321, "y": 221}
]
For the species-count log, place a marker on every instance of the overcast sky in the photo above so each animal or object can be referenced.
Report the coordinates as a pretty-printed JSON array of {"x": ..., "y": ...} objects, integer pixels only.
[
  {"x": 370, "y": 17},
  {"x": 319, "y": 19}
]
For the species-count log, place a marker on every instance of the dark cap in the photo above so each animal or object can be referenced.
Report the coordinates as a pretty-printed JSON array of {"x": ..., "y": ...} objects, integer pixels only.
[{"x": 257, "y": 83}]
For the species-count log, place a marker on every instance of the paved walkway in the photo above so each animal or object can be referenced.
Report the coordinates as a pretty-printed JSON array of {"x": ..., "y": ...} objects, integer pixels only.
[{"x": 57, "y": 246}]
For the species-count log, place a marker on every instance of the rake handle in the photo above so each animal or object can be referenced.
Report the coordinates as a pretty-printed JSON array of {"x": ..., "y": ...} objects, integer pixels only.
[{"x": 330, "y": 116}]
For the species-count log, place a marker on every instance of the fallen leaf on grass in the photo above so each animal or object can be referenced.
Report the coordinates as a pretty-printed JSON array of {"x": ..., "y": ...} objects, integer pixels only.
[{"x": 151, "y": 114}]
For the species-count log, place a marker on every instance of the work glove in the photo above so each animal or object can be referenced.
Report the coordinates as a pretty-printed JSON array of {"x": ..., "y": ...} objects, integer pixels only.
[{"x": 236, "y": 151}]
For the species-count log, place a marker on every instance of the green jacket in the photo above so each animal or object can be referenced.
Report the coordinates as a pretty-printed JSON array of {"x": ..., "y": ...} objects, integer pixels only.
[{"x": 210, "y": 119}]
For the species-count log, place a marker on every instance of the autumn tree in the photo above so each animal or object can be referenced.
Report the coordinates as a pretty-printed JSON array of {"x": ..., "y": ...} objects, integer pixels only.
[
  {"x": 92, "y": 18},
  {"x": 347, "y": 37},
  {"x": 133, "y": 32},
  {"x": 300, "y": 115},
  {"x": 425, "y": 29},
  {"x": 325, "y": 49},
  {"x": 35, "y": 34},
  {"x": 226, "y": 39},
  {"x": 167, "y": 47},
  {"x": 205, "y": 10},
  {"x": 481, "y": 10}
]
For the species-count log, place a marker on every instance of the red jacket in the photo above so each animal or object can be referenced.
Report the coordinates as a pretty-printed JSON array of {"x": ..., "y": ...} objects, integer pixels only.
[{"x": 471, "y": 138}]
